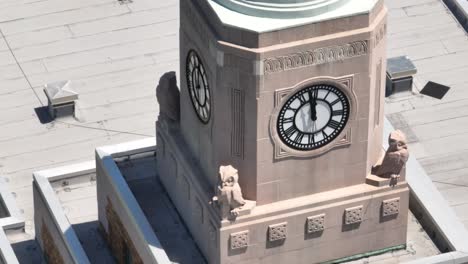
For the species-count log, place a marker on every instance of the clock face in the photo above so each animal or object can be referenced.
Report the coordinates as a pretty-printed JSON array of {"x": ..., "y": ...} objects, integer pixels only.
[
  {"x": 313, "y": 117},
  {"x": 199, "y": 89}
]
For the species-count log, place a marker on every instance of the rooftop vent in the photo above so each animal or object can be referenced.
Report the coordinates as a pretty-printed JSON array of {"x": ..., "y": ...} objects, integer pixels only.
[{"x": 61, "y": 98}]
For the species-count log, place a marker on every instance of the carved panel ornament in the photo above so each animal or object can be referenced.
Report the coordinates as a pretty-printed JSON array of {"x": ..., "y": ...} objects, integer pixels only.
[
  {"x": 315, "y": 57},
  {"x": 391, "y": 207},
  {"x": 277, "y": 232},
  {"x": 315, "y": 223},
  {"x": 353, "y": 215},
  {"x": 239, "y": 240}
]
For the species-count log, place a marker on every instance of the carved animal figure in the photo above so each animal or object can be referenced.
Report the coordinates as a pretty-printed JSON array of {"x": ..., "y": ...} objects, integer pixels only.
[
  {"x": 228, "y": 192},
  {"x": 395, "y": 158},
  {"x": 168, "y": 97}
]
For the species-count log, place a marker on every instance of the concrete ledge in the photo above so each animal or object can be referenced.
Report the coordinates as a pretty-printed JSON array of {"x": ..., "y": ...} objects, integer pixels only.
[
  {"x": 15, "y": 220},
  {"x": 7, "y": 255},
  {"x": 143, "y": 233},
  {"x": 455, "y": 257},
  {"x": 128, "y": 148},
  {"x": 459, "y": 9},
  {"x": 435, "y": 215},
  {"x": 44, "y": 195},
  {"x": 65, "y": 172}
]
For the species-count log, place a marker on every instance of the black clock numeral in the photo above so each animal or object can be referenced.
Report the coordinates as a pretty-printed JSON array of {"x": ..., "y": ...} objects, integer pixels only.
[
  {"x": 288, "y": 119},
  {"x": 292, "y": 108},
  {"x": 302, "y": 99},
  {"x": 299, "y": 137},
  {"x": 311, "y": 139},
  {"x": 315, "y": 93},
  {"x": 290, "y": 131},
  {"x": 337, "y": 112},
  {"x": 334, "y": 124},
  {"x": 335, "y": 102},
  {"x": 324, "y": 134},
  {"x": 191, "y": 64},
  {"x": 326, "y": 95}
]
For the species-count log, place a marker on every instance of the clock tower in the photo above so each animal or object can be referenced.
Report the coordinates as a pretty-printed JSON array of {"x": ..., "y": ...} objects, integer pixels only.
[{"x": 290, "y": 94}]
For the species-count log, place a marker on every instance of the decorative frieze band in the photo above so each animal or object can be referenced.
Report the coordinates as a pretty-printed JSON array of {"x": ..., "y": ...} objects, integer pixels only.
[
  {"x": 316, "y": 57},
  {"x": 315, "y": 224}
]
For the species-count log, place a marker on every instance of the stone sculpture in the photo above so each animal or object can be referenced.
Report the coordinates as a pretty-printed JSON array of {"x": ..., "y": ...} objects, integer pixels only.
[
  {"x": 228, "y": 193},
  {"x": 168, "y": 96},
  {"x": 395, "y": 158}
]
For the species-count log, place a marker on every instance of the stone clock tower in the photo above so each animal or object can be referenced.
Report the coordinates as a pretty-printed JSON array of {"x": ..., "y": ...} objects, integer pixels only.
[{"x": 290, "y": 93}]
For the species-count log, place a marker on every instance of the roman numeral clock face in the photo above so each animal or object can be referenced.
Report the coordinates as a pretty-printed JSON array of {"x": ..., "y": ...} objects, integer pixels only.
[
  {"x": 313, "y": 117},
  {"x": 198, "y": 87}
]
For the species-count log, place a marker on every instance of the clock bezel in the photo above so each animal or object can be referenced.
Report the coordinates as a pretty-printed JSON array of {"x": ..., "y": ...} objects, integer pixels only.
[
  {"x": 345, "y": 85},
  {"x": 208, "y": 88}
]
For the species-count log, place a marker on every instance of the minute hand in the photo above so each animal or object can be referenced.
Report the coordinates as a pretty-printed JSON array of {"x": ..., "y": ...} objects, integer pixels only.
[{"x": 313, "y": 106}]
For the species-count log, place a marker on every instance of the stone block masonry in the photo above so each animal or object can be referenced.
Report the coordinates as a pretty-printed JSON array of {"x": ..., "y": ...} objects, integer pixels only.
[
  {"x": 118, "y": 240},
  {"x": 51, "y": 253}
]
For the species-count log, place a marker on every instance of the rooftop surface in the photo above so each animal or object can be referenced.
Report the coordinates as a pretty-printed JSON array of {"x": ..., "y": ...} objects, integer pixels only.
[
  {"x": 427, "y": 32},
  {"x": 115, "y": 52}
]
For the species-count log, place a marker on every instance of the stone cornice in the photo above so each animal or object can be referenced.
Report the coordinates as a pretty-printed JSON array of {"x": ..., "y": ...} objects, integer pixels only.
[{"x": 315, "y": 57}]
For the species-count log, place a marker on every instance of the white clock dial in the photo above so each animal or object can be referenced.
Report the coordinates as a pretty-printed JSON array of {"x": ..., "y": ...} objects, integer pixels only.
[
  {"x": 199, "y": 90},
  {"x": 313, "y": 117}
]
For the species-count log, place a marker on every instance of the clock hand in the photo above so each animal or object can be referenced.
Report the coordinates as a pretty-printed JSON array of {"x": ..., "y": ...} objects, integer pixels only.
[
  {"x": 196, "y": 81},
  {"x": 313, "y": 106}
]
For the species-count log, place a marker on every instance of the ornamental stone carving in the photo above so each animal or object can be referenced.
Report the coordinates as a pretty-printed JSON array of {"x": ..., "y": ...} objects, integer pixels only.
[
  {"x": 353, "y": 215},
  {"x": 228, "y": 193},
  {"x": 395, "y": 158},
  {"x": 315, "y": 223},
  {"x": 239, "y": 240},
  {"x": 391, "y": 207},
  {"x": 315, "y": 57},
  {"x": 168, "y": 97},
  {"x": 277, "y": 232}
]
